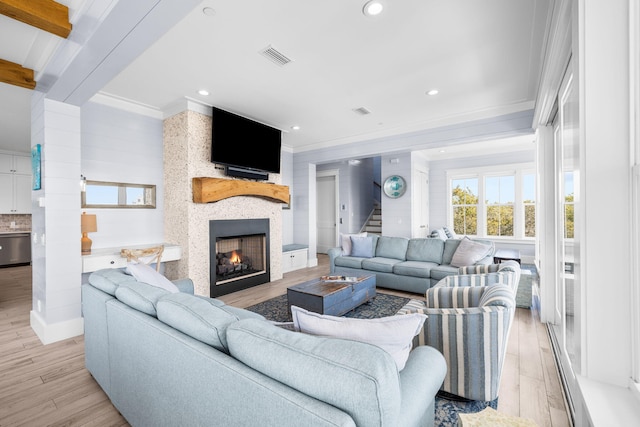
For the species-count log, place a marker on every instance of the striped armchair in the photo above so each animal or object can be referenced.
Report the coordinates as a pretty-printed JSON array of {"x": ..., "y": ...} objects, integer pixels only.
[
  {"x": 507, "y": 272},
  {"x": 470, "y": 327}
]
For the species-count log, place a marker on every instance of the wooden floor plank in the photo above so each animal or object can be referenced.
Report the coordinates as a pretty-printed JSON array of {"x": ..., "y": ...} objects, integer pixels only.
[{"x": 48, "y": 385}]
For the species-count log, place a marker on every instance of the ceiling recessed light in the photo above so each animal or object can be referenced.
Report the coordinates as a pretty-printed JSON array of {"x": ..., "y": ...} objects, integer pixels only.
[
  {"x": 203, "y": 92},
  {"x": 432, "y": 92},
  {"x": 209, "y": 11},
  {"x": 295, "y": 127},
  {"x": 372, "y": 8}
]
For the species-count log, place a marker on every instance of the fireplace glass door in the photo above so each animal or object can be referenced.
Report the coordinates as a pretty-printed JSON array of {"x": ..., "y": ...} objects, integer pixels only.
[{"x": 239, "y": 257}]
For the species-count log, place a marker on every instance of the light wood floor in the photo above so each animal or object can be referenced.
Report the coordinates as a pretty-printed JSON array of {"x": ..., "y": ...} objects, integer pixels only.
[{"x": 49, "y": 386}]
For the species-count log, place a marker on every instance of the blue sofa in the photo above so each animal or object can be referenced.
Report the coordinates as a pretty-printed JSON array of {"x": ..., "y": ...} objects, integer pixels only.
[
  {"x": 411, "y": 265},
  {"x": 176, "y": 359}
]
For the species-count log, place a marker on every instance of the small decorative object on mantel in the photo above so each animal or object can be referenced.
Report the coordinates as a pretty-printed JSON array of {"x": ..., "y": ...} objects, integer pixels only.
[
  {"x": 207, "y": 190},
  {"x": 394, "y": 186},
  {"x": 88, "y": 224}
]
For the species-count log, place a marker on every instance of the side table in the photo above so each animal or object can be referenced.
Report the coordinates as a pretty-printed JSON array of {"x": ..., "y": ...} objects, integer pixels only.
[{"x": 506, "y": 255}]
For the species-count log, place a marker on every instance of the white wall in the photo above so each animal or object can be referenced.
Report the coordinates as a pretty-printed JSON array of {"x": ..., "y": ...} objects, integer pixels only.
[
  {"x": 286, "y": 175},
  {"x": 121, "y": 146},
  {"x": 55, "y": 250},
  {"x": 396, "y": 213}
]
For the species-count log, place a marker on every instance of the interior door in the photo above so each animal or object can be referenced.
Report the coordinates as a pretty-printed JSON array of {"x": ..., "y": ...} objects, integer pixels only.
[
  {"x": 327, "y": 210},
  {"x": 422, "y": 210}
]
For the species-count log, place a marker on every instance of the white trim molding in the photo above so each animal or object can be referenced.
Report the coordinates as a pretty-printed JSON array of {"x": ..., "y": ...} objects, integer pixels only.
[{"x": 50, "y": 333}]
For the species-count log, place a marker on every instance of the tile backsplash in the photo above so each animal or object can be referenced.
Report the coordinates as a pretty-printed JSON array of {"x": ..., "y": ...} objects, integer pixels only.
[{"x": 22, "y": 222}]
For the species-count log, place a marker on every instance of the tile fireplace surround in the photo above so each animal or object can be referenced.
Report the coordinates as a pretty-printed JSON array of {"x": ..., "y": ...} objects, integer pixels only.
[{"x": 187, "y": 150}]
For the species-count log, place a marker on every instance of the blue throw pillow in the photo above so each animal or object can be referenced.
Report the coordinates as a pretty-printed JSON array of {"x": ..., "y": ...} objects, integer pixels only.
[{"x": 362, "y": 247}]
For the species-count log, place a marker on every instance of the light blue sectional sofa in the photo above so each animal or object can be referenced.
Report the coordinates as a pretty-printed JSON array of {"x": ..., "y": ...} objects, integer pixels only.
[
  {"x": 412, "y": 265},
  {"x": 175, "y": 359}
]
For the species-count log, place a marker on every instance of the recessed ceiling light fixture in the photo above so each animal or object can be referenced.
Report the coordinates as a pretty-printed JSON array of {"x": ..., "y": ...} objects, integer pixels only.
[
  {"x": 295, "y": 127},
  {"x": 209, "y": 11},
  {"x": 432, "y": 92},
  {"x": 203, "y": 92},
  {"x": 372, "y": 8}
]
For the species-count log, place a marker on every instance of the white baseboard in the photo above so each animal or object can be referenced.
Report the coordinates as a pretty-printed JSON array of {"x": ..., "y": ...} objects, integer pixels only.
[{"x": 50, "y": 333}]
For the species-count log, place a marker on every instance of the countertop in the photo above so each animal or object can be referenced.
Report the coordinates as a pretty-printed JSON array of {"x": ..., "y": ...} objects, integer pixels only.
[{"x": 15, "y": 232}]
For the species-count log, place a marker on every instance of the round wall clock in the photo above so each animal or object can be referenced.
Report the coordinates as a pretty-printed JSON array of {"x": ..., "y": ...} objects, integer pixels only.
[{"x": 394, "y": 186}]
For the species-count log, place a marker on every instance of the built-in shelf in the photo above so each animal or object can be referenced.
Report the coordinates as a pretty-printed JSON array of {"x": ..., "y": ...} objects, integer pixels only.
[
  {"x": 111, "y": 258},
  {"x": 207, "y": 190}
]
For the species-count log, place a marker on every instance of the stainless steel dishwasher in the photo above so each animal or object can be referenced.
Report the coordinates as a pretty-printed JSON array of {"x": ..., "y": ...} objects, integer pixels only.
[{"x": 15, "y": 248}]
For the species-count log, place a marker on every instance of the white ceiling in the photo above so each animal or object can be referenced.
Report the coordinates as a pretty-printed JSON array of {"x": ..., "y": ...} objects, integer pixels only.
[{"x": 484, "y": 57}]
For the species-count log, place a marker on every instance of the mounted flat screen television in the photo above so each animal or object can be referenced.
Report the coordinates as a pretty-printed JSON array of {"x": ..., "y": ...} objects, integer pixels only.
[{"x": 239, "y": 142}]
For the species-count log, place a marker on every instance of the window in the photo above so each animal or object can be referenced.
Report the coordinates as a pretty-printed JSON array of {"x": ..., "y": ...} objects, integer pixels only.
[
  {"x": 499, "y": 203},
  {"x": 494, "y": 201},
  {"x": 568, "y": 205},
  {"x": 98, "y": 194},
  {"x": 464, "y": 202},
  {"x": 529, "y": 202}
]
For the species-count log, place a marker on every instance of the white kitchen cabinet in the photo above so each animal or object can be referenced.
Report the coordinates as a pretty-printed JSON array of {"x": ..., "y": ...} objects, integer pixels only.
[
  {"x": 15, "y": 163},
  {"x": 294, "y": 257},
  {"x": 15, "y": 184}
]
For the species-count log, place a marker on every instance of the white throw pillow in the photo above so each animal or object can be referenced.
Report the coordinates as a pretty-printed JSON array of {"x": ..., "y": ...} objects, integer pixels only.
[
  {"x": 146, "y": 274},
  {"x": 346, "y": 241},
  {"x": 394, "y": 334},
  {"x": 469, "y": 252}
]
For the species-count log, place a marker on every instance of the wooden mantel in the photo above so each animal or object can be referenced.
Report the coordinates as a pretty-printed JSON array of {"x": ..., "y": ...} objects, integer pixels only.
[{"x": 207, "y": 190}]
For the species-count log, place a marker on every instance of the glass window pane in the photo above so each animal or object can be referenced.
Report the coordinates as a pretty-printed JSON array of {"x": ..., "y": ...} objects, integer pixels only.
[
  {"x": 492, "y": 190},
  {"x": 102, "y": 195},
  {"x": 507, "y": 189},
  {"x": 530, "y": 221},
  {"x": 568, "y": 184},
  {"x": 568, "y": 221},
  {"x": 500, "y": 220},
  {"x": 465, "y": 220},
  {"x": 465, "y": 191},
  {"x": 529, "y": 188},
  {"x": 135, "y": 196}
]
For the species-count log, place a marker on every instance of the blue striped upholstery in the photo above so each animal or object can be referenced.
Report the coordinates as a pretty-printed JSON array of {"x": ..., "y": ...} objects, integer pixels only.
[
  {"x": 479, "y": 269},
  {"x": 472, "y": 338},
  {"x": 507, "y": 277}
]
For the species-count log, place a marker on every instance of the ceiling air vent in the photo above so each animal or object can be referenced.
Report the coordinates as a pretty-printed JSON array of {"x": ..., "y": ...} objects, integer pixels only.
[
  {"x": 275, "y": 56},
  {"x": 362, "y": 111}
]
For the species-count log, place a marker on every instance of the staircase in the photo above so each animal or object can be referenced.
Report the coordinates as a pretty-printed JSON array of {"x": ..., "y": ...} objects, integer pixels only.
[{"x": 373, "y": 225}]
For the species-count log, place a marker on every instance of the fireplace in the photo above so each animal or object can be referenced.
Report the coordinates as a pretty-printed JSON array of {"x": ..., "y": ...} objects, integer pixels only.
[{"x": 238, "y": 254}]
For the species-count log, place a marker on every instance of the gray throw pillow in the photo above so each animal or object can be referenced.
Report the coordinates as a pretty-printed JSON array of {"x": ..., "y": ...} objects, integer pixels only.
[
  {"x": 469, "y": 252},
  {"x": 362, "y": 247}
]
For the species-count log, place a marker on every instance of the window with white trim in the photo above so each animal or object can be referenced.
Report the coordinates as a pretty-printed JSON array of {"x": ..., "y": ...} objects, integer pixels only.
[{"x": 497, "y": 202}]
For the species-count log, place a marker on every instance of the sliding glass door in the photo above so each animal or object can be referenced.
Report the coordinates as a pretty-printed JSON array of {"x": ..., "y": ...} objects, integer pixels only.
[{"x": 566, "y": 326}]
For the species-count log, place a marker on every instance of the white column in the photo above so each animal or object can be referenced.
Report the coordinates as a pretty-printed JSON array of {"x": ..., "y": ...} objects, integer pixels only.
[{"x": 56, "y": 266}]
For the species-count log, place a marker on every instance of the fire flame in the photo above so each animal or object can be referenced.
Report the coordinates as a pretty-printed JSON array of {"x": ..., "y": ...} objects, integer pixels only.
[{"x": 235, "y": 258}]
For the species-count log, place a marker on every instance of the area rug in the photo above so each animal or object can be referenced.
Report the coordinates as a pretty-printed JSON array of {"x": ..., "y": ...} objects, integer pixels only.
[
  {"x": 528, "y": 276},
  {"x": 382, "y": 305},
  {"x": 446, "y": 409}
]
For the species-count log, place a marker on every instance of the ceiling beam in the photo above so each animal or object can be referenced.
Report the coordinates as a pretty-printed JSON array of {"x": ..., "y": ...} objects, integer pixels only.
[
  {"x": 44, "y": 14},
  {"x": 17, "y": 75}
]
